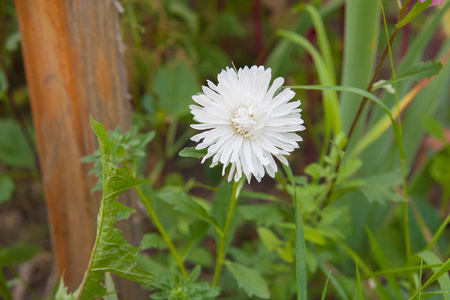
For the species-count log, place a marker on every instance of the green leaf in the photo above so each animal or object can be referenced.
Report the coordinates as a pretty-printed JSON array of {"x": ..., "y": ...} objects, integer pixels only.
[
  {"x": 186, "y": 205},
  {"x": 14, "y": 150},
  {"x": 440, "y": 169},
  {"x": 378, "y": 188},
  {"x": 268, "y": 238},
  {"x": 153, "y": 240},
  {"x": 444, "y": 280},
  {"x": 383, "y": 263},
  {"x": 174, "y": 87},
  {"x": 111, "y": 293},
  {"x": 395, "y": 126},
  {"x": 420, "y": 71},
  {"x": 192, "y": 152},
  {"x": 111, "y": 253},
  {"x": 249, "y": 280},
  {"x": 324, "y": 292},
  {"x": 414, "y": 12},
  {"x": 6, "y": 188},
  {"x": 433, "y": 127},
  {"x": 262, "y": 214},
  {"x": 63, "y": 294},
  {"x": 4, "y": 290},
  {"x": 13, "y": 255}
]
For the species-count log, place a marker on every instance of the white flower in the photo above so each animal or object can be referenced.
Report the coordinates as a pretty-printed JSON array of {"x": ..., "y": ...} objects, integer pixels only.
[{"x": 245, "y": 125}]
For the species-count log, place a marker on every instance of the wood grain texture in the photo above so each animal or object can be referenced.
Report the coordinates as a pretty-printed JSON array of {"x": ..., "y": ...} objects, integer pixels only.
[{"x": 75, "y": 67}]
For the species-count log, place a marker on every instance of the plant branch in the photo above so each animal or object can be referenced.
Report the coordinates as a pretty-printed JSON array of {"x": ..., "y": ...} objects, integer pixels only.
[{"x": 369, "y": 89}]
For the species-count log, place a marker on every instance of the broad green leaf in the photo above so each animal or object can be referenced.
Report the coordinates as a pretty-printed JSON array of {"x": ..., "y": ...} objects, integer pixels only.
[
  {"x": 444, "y": 280},
  {"x": 186, "y": 205},
  {"x": 153, "y": 241},
  {"x": 383, "y": 263},
  {"x": 14, "y": 150},
  {"x": 361, "y": 36},
  {"x": 192, "y": 152},
  {"x": 6, "y": 188},
  {"x": 111, "y": 253},
  {"x": 249, "y": 280},
  {"x": 174, "y": 86}
]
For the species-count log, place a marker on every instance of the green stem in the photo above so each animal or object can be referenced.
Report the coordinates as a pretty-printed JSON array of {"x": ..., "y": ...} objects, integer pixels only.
[
  {"x": 146, "y": 201},
  {"x": 223, "y": 238},
  {"x": 438, "y": 233}
]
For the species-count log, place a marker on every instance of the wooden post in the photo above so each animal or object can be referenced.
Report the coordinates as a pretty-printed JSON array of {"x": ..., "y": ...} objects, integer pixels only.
[{"x": 75, "y": 67}]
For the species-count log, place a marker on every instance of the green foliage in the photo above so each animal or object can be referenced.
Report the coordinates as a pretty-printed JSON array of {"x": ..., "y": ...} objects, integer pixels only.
[
  {"x": 249, "y": 280},
  {"x": 6, "y": 188},
  {"x": 111, "y": 253},
  {"x": 14, "y": 150},
  {"x": 178, "y": 288},
  {"x": 317, "y": 222},
  {"x": 185, "y": 204},
  {"x": 192, "y": 152},
  {"x": 133, "y": 143},
  {"x": 174, "y": 85}
]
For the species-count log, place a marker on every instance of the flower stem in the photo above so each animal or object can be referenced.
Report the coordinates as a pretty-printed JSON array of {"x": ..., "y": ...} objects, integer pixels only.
[
  {"x": 223, "y": 237},
  {"x": 146, "y": 201}
]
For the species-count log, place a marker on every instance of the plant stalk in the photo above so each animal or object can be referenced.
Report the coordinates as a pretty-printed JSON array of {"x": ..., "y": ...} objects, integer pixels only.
[
  {"x": 223, "y": 238},
  {"x": 146, "y": 201}
]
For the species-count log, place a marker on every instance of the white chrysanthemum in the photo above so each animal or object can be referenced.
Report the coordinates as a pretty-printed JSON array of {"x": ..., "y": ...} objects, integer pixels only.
[{"x": 246, "y": 125}]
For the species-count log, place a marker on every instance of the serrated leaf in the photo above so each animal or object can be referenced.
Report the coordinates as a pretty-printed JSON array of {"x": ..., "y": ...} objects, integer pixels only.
[
  {"x": 112, "y": 253},
  {"x": 420, "y": 71},
  {"x": 378, "y": 188},
  {"x": 7, "y": 187},
  {"x": 63, "y": 294},
  {"x": 249, "y": 280},
  {"x": 174, "y": 87},
  {"x": 192, "y": 152},
  {"x": 186, "y": 205}
]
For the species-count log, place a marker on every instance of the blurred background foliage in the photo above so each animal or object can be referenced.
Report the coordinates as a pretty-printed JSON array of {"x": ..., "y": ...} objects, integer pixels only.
[{"x": 172, "y": 48}]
